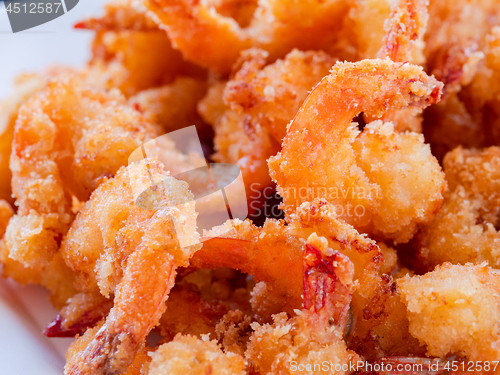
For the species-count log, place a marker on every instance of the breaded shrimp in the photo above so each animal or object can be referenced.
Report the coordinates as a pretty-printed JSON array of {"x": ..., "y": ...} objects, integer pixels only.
[
  {"x": 172, "y": 106},
  {"x": 403, "y": 42},
  {"x": 252, "y": 250},
  {"x": 263, "y": 100},
  {"x": 243, "y": 246},
  {"x": 133, "y": 61},
  {"x": 130, "y": 52},
  {"x": 364, "y": 175},
  {"x": 68, "y": 139},
  {"x": 25, "y": 86},
  {"x": 455, "y": 310},
  {"x": 315, "y": 335},
  {"x": 379, "y": 323},
  {"x": 466, "y": 227},
  {"x": 192, "y": 25},
  {"x": 188, "y": 355},
  {"x": 271, "y": 95},
  {"x": 133, "y": 254},
  {"x": 120, "y": 15},
  {"x": 463, "y": 50},
  {"x": 82, "y": 311},
  {"x": 405, "y": 29}
]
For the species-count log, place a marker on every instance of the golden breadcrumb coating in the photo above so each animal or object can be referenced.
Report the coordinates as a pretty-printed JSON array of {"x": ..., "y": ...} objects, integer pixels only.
[
  {"x": 187, "y": 355},
  {"x": 172, "y": 106},
  {"x": 133, "y": 61},
  {"x": 233, "y": 332},
  {"x": 133, "y": 253},
  {"x": 455, "y": 310},
  {"x": 405, "y": 30},
  {"x": 25, "y": 87},
  {"x": 130, "y": 52},
  {"x": 363, "y": 175},
  {"x": 263, "y": 100},
  {"x": 403, "y": 42},
  {"x": 379, "y": 324},
  {"x": 470, "y": 69},
  {"x": 275, "y": 348},
  {"x": 304, "y": 24},
  {"x": 465, "y": 229},
  {"x": 315, "y": 334},
  {"x": 120, "y": 15},
  {"x": 68, "y": 138}
]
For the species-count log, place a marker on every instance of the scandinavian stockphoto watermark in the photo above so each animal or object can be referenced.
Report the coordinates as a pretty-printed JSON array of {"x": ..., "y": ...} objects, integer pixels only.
[
  {"x": 218, "y": 188},
  {"x": 26, "y": 14}
]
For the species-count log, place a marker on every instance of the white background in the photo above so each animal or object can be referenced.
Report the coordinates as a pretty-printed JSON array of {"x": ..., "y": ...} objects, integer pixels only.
[
  {"x": 52, "y": 42},
  {"x": 24, "y": 311}
]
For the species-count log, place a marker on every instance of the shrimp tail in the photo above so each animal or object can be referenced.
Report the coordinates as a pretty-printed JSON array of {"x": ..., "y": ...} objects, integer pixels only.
[{"x": 328, "y": 281}]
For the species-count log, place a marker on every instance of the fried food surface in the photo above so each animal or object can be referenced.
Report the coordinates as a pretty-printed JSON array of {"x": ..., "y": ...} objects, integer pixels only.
[
  {"x": 189, "y": 355},
  {"x": 380, "y": 254},
  {"x": 454, "y": 310},
  {"x": 172, "y": 106},
  {"x": 296, "y": 24},
  {"x": 315, "y": 335},
  {"x": 68, "y": 139},
  {"x": 134, "y": 255},
  {"x": 405, "y": 30},
  {"x": 263, "y": 100},
  {"x": 26, "y": 86},
  {"x": 136, "y": 60},
  {"x": 324, "y": 156},
  {"x": 120, "y": 15},
  {"x": 470, "y": 69},
  {"x": 465, "y": 229}
]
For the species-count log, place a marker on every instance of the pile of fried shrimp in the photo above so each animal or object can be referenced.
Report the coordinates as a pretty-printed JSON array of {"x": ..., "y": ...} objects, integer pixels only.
[{"x": 375, "y": 122}]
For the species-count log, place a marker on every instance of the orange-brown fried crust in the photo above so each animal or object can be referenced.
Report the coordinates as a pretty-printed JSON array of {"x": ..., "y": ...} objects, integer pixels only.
[{"x": 324, "y": 157}]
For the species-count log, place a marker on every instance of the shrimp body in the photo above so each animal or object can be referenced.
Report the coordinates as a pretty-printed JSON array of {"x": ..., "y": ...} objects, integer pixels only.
[
  {"x": 134, "y": 258},
  {"x": 323, "y": 156},
  {"x": 315, "y": 334}
]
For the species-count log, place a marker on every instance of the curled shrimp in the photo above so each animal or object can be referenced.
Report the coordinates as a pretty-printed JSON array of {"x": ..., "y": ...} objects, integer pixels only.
[
  {"x": 133, "y": 255},
  {"x": 325, "y": 156},
  {"x": 253, "y": 250},
  {"x": 243, "y": 246},
  {"x": 239, "y": 25},
  {"x": 315, "y": 334},
  {"x": 68, "y": 138}
]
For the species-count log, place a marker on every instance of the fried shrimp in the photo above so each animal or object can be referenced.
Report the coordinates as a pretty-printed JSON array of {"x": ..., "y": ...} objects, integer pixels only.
[
  {"x": 363, "y": 175},
  {"x": 455, "y": 310},
  {"x": 243, "y": 246},
  {"x": 68, "y": 139},
  {"x": 403, "y": 42},
  {"x": 134, "y": 254},
  {"x": 236, "y": 25},
  {"x": 188, "y": 355},
  {"x": 405, "y": 29},
  {"x": 263, "y": 100},
  {"x": 25, "y": 87},
  {"x": 172, "y": 106},
  {"x": 465, "y": 46},
  {"x": 466, "y": 227},
  {"x": 315, "y": 335},
  {"x": 379, "y": 323},
  {"x": 130, "y": 52},
  {"x": 271, "y": 95},
  {"x": 81, "y": 311}
]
